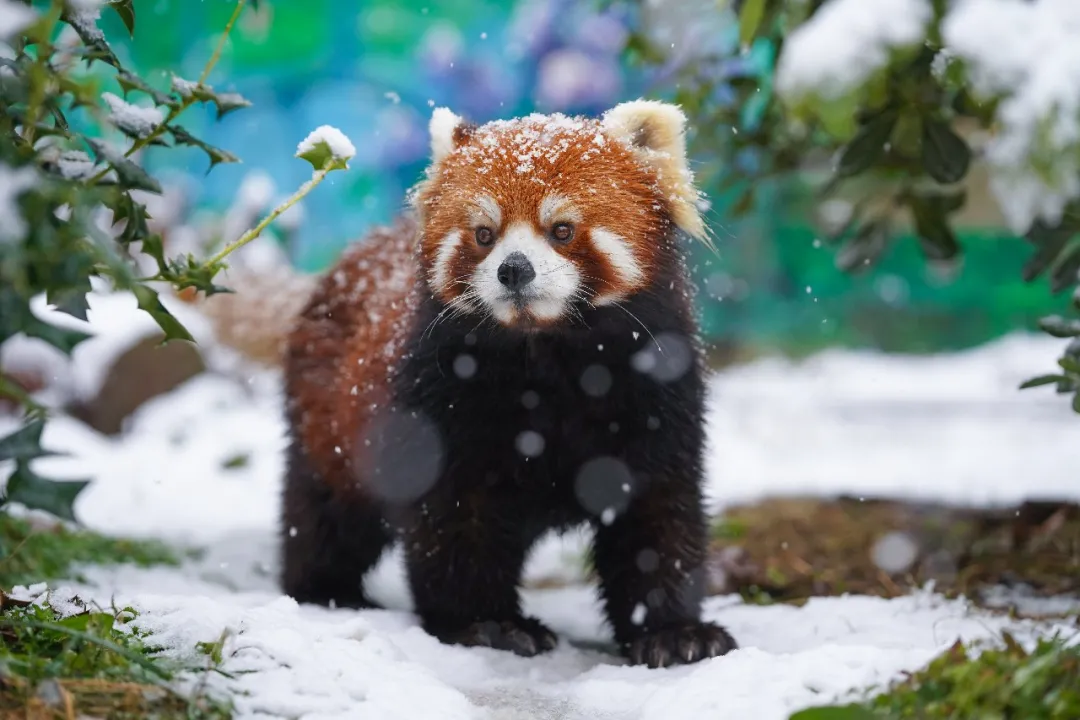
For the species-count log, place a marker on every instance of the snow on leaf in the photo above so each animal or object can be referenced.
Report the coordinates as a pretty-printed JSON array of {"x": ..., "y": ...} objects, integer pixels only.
[
  {"x": 326, "y": 146},
  {"x": 13, "y": 183},
  {"x": 14, "y": 18},
  {"x": 845, "y": 42},
  {"x": 133, "y": 120}
]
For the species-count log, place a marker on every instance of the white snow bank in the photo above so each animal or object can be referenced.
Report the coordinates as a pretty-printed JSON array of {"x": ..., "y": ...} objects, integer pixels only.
[
  {"x": 845, "y": 42},
  {"x": 950, "y": 427},
  {"x": 306, "y": 662}
]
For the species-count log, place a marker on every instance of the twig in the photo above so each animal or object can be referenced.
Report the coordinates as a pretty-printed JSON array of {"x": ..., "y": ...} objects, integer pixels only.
[{"x": 316, "y": 178}]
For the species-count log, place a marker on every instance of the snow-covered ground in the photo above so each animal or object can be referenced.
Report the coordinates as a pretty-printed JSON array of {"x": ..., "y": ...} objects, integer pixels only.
[{"x": 202, "y": 466}]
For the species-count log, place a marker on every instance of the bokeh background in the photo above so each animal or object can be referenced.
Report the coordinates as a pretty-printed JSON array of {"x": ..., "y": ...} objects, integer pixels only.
[{"x": 375, "y": 69}]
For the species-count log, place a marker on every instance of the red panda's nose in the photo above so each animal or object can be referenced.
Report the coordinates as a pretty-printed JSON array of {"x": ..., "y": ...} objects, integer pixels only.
[{"x": 516, "y": 272}]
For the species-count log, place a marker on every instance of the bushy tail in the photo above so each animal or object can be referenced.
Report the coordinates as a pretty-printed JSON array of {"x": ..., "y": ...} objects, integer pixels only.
[{"x": 256, "y": 318}]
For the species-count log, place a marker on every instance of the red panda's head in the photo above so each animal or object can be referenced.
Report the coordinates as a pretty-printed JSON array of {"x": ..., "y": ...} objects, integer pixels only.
[{"x": 525, "y": 220}]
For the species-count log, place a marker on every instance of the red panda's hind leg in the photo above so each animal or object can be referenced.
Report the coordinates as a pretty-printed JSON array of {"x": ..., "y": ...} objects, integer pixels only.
[{"x": 328, "y": 544}]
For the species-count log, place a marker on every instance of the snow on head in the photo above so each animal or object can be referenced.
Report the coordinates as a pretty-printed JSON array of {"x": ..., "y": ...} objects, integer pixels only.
[
  {"x": 341, "y": 148},
  {"x": 845, "y": 42},
  {"x": 1026, "y": 52}
]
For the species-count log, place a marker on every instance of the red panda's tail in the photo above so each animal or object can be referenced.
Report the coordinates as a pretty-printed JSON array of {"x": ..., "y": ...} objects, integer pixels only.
[{"x": 256, "y": 318}]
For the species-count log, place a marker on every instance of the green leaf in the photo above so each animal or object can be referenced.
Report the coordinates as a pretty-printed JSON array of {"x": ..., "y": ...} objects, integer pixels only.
[
  {"x": 945, "y": 155},
  {"x": 937, "y": 239},
  {"x": 1049, "y": 241},
  {"x": 750, "y": 20},
  {"x": 839, "y": 712},
  {"x": 229, "y": 101},
  {"x": 129, "y": 81},
  {"x": 867, "y": 146},
  {"x": 72, "y": 300},
  {"x": 1060, "y": 327},
  {"x": 1076, "y": 402},
  {"x": 126, "y": 10},
  {"x": 150, "y": 302},
  {"x": 320, "y": 155},
  {"x": 1067, "y": 272},
  {"x": 216, "y": 155},
  {"x": 1042, "y": 380},
  {"x": 1069, "y": 365},
  {"x": 62, "y": 339},
  {"x": 25, "y": 443},
  {"x": 38, "y": 493},
  {"x": 129, "y": 175}
]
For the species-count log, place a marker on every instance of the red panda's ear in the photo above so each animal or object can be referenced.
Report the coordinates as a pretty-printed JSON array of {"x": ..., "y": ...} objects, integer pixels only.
[
  {"x": 656, "y": 133},
  {"x": 448, "y": 131}
]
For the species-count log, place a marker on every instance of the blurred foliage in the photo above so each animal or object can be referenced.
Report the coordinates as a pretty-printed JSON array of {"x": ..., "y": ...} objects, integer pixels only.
[
  {"x": 993, "y": 682},
  {"x": 69, "y": 172},
  {"x": 83, "y": 661},
  {"x": 31, "y": 552},
  {"x": 888, "y": 158},
  {"x": 791, "y": 549}
]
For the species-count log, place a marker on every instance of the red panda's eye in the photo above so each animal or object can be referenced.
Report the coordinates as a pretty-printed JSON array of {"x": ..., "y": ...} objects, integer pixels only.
[
  {"x": 484, "y": 236},
  {"x": 562, "y": 232}
]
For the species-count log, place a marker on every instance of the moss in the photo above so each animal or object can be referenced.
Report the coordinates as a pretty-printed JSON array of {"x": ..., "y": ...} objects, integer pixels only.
[
  {"x": 1000, "y": 682},
  {"x": 30, "y": 552},
  {"x": 791, "y": 549}
]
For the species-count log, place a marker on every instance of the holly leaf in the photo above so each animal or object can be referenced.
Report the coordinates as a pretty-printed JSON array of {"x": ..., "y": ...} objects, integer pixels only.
[
  {"x": 229, "y": 101},
  {"x": 129, "y": 175},
  {"x": 38, "y": 493},
  {"x": 1042, "y": 380},
  {"x": 150, "y": 302},
  {"x": 62, "y": 339},
  {"x": 126, "y": 10},
  {"x": 216, "y": 155},
  {"x": 25, "y": 443},
  {"x": 839, "y": 712}
]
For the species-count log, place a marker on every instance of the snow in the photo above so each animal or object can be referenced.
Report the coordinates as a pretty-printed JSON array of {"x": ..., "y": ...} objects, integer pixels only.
[
  {"x": 14, "y": 18},
  {"x": 1026, "y": 52},
  {"x": 950, "y": 427},
  {"x": 340, "y": 146},
  {"x": 845, "y": 42},
  {"x": 13, "y": 183},
  {"x": 133, "y": 119}
]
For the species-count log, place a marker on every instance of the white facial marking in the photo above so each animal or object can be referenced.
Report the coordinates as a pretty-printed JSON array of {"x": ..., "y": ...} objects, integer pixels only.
[
  {"x": 621, "y": 256},
  {"x": 486, "y": 212},
  {"x": 547, "y": 296},
  {"x": 558, "y": 208},
  {"x": 444, "y": 255}
]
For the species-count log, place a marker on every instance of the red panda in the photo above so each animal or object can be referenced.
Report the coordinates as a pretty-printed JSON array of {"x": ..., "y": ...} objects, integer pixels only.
[{"x": 516, "y": 354}]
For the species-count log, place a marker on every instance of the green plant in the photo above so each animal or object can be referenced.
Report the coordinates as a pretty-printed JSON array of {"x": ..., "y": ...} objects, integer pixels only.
[
  {"x": 998, "y": 682},
  {"x": 88, "y": 661},
  {"x": 68, "y": 152},
  {"x": 30, "y": 553},
  {"x": 887, "y": 134}
]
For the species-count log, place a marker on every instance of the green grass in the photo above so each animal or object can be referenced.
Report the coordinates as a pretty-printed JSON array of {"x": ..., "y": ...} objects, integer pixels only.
[
  {"x": 1000, "y": 682},
  {"x": 93, "y": 662},
  {"x": 31, "y": 553}
]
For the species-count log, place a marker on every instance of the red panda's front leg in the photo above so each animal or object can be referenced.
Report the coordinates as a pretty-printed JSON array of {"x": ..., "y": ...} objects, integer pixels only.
[
  {"x": 464, "y": 557},
  {"x": 650, "y": 562}
]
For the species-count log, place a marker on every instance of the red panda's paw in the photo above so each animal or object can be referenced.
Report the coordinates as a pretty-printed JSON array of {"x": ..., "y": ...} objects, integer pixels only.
[
  {"x": 680, "y": 644},
  {"x": 523, "y": 636}
]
